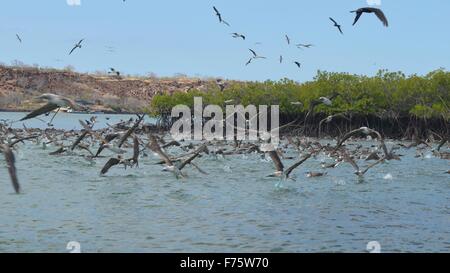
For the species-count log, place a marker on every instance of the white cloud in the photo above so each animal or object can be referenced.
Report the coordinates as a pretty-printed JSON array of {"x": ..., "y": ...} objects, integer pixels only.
[
  {"x": 73, "y": 2},
  {"x": 374, "y": 2}
]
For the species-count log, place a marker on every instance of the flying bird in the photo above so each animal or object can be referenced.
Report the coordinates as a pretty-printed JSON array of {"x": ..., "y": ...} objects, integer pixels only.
[
  {"x": 360, "y": 173},
  {"x": 336, "y": 25},
  {"x": 10, "y": 163},
  {"x": 322, "y": 100},
  {"x": 378, "y": 12},
  {"x": 280, "y": 172},
  {"x": 298, "y": 64},
  {"x": 237, "y": 35},
  {"x": 256, "y": 56},
  {"x": 220, "y": 16},
  {"x": 53, "y": 102},
  {"x": 78, "y": 45},
  {"x": 281, "y": 59},
  {"x": 288, "y": 40},
  {"x": 111, "y": 163},
  {"x": 18, "y": 38},
  {"x": 305, "y": 45}
]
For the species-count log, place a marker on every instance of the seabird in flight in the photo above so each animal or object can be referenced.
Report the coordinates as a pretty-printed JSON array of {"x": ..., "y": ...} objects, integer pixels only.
[
  {"x": 78, "y": 45},
  {"x": 337, "y": 25},
  {"x": 378, "y": 12},
  {"x": 53, "y": 102}
]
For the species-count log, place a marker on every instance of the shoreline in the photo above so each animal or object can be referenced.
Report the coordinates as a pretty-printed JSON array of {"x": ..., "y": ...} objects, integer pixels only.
[{"x": 87, "y": 113}]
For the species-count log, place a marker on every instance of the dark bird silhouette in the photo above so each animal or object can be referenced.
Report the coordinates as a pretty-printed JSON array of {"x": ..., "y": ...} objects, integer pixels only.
[
  {"x": 337, "y": 25},
  {"x": 108, "y": 138},
  {"x": 305, "y": 45},
  {"x": 130, "y": 131},
  {"x": 288, "y": 40},
  {"x": 298, "y": 64},
  {"x": 10, "y": 163},
  {"x": 281, "y": 59},
  {"x": 378, "y": 12},
  {"x": 134, "y": 161},
  {"x": 237, "y": 35},
  {"x": 249, "y": 61},
  {"x": 111, "y": 163},
  {"x": 18, "y": 38},
  {"x": 220, "y": 17},
  {"x": 256, "y": 56},
  {"x": 78, "y": 45}
]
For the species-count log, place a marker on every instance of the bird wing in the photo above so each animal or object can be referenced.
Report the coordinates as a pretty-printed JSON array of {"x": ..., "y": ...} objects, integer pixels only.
[
  {"x": 225, "y": 22},
  {"x": 253, "y": 52},
  {"x": 154, "y": 146},
  {"x": 196, "y": 154},
  {"x": 276, "y": 160},
  {"x": 198, "y": 168},
  {"x": 347, "y": 136},
  {"x": 92, "y": 132},
  {"x": 249, "y": 61},
  {"x": 373, "y": 165},
  {"x": 215, "y": 9},
  {"x": 78, "y": 140},
  {"x": 111, "y": 163},
  {"x": 291, "y": 168},
  {"x": 358, "y": 14},
  {"x": 135, "y": 149},
  {"x": 351, "y": 161},
  {"x": 130, "y": 131},
  {"x": 73, "y": 49},
  {"x": 172, "y": 143},
  {"x": 340, "y": 30},
  {"x": 10, "y": 163},
  {"x": 380, "y": 14},
  {"x": 43, "y": 110},
  {"x": 332, "y": 20},
  {"x": 79, "y": 43}
]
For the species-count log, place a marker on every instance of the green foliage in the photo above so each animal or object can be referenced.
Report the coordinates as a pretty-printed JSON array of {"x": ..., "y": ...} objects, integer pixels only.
[{"x": 387, "y": 92}]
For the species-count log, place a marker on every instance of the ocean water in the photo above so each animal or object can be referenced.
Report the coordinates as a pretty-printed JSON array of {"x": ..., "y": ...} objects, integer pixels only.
[{"x": 403, "y": 205}]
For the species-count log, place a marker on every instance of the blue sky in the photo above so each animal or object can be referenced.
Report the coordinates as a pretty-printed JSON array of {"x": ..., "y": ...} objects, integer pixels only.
[{"x": 179, "y": 36}]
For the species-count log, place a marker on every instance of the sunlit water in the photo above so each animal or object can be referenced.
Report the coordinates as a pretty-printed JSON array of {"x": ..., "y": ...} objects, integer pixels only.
[{"x": 404, "y": 205}]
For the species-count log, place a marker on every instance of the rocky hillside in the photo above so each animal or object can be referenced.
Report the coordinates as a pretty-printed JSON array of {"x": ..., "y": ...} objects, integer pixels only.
[{"x": 19, "y": 85}]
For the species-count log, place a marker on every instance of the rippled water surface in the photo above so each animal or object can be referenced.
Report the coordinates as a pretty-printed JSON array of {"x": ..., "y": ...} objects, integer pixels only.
[{"x": 404, "y": 205}]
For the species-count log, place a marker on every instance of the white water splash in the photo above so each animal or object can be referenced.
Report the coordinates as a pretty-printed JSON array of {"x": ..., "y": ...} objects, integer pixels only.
[
  {"x": 227, "y": 168},
  {"x": 388, "y": 177}
]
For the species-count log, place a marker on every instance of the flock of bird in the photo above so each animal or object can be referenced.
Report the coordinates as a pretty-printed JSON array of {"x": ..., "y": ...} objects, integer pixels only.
[
  {"x": 139, "y": 138},
  {"x": 136, "y": 137},
  {"x": 378, "y": 12},
  {"x": 359, "y": 12}
]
